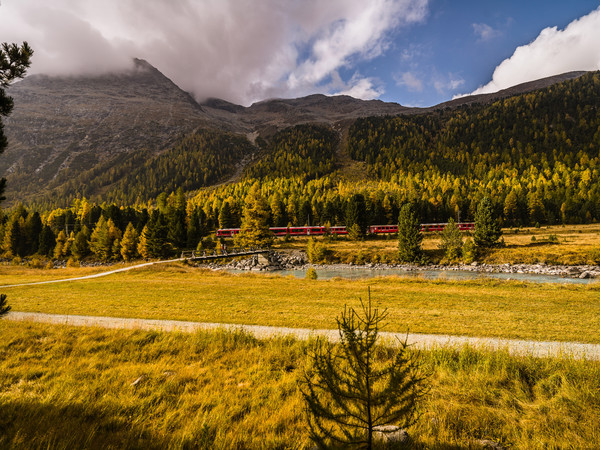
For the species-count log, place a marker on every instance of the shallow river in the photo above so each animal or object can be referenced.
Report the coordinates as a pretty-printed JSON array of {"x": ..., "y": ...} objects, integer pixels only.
[{"x": 326, "y": 273}]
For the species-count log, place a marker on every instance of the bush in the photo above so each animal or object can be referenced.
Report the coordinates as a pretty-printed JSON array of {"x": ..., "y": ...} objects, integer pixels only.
[
  {"x": 317, "y": 252},
  {"x": 469, "y": 251},
  {"x": 355, "y": 233},
  {"x": 311, "y": 274},
  {"x": 72, "y": 262},
  {"x": 594, "y": 255},
  {"x": 36, "y": 263},
  {"x": 49, "y": 265}
]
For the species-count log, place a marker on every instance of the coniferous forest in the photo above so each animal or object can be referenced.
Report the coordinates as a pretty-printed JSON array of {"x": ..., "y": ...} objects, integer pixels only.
[{"x": 535, "y": 155}]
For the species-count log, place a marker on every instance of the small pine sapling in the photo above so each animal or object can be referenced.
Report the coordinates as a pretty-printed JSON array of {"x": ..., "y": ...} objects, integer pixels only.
[{"x": 354, "y": 387}]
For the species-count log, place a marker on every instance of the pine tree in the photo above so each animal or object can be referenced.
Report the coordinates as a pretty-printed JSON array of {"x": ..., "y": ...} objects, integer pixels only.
[
  {"x": 129, "y": 243},
  {"x": 487, "y": 227},
  {"x": 511, "y": 208},
  {"x": 278, "y": 211},
  {"x": 175, "y": 216},
  {"x": 12, "y": 237},
  {"x": 114, "y": 236},
  {"x": 81, "y": 245},
  {"x": 536, "y": 209},
  {"x": 255, "y": 221},
  {"x": 451, "y": 241},
  {"x": 14, "y": 61},
  {"x": 225, "y": 217},
  {"x": 142, "y": 246},
  {"x": 32, "y": 230},
  {"x": 356, "y": 214},
  {"x": 100, "y": 242},
  {"x": 47, "y": 241},
  {"x": 59, "y": 247},
  {"x": 353, "y": 388},
  {"x": 196, "y": 227},
  {"x": 409, "y": 235},
  {"x": 153, "y": 240}
]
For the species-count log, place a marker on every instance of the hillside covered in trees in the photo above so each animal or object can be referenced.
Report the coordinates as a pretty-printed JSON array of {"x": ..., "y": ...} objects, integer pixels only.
[{"x": 535, "y": 155}]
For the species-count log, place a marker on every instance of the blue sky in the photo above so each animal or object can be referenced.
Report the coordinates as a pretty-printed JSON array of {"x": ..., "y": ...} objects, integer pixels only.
[
  {"x": 459, "y": 44},
  {"x": 414, "y": 52}
]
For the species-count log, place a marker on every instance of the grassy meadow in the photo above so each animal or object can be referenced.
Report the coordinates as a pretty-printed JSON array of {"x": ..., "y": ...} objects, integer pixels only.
[
  {"x": 67, "y": 387},
  {"x": 482, "y": 307},
  {"x": 558, "y": 244}
]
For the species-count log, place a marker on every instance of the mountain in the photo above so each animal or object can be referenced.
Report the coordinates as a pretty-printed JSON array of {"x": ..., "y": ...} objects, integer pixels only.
[
  {"x": 66, "y": 125},
  {"x": 122, "y": 137}
]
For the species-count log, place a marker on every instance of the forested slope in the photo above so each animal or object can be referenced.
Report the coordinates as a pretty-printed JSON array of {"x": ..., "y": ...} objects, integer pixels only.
[{"x": 536, "y": 155}]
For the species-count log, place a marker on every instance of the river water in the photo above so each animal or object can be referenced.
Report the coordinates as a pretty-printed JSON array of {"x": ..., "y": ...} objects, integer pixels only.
[{"x": 326, "y": 273}]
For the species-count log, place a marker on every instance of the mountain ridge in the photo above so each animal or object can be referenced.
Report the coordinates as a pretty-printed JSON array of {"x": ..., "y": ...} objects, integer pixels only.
[{"x": 63, "y": 127}]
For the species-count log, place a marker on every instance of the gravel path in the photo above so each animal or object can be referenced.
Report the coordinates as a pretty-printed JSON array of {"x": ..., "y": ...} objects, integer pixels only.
[
  {"x": 96, "y": 275},
  {"x": 424, "y": 341}
]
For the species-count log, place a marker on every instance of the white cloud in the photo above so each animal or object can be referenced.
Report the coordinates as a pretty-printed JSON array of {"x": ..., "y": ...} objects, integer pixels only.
[
  {"x": 409, "y": 80},
  {"x": 447, "y": 84},
  {"x": 363, "y": 88},
  {"x": 484, "y": 32},
  {"x": 239, "y": 50},
  {"x": 553, "y": 52}
]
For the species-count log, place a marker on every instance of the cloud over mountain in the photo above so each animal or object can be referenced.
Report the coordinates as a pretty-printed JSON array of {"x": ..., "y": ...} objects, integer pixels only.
[
  {"x": 553, "y": 52},
  {"x": 239, "y": 50}
]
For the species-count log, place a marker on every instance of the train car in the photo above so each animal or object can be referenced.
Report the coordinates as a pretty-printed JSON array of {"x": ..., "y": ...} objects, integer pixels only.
[
  {"x": 279, "y": 231},
  {"x": 341, "y": 230},
  {"x": 383, "y": 229},
  {"x": 427, "y": 227},
  {"x": 466, "y": 226},
  {"x": 338, "y": 230},
  {"x": 227, "y": 232}
]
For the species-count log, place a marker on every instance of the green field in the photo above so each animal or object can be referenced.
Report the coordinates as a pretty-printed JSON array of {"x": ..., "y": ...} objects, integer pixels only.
[
  {"x": 473, "y": 308},
  {"x": 67, "y": 387}
]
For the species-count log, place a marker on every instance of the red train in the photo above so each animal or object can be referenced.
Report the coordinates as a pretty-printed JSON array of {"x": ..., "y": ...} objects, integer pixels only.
[{"x": 341, "y": 230}]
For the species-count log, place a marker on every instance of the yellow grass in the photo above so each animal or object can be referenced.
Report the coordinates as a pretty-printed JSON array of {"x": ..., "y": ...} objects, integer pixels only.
[
  {"x": 574, "y": 244},
  {"x": 473, "y": 308},
  {"x": 66, "y": 387}
]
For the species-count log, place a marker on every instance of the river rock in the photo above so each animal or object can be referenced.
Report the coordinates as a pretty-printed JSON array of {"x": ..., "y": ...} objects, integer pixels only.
[
  {"x": 390, "y": 434},
  {"x": 486, "y": 443}
]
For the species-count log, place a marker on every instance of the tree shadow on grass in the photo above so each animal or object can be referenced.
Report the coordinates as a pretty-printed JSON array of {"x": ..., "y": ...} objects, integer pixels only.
[{"x": 31, "y": 424}]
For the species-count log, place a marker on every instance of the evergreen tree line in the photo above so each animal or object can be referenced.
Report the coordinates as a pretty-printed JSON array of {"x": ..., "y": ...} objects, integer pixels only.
[
  {"x": 106, "y": 232},
  {"x": 536, "y": 155}
]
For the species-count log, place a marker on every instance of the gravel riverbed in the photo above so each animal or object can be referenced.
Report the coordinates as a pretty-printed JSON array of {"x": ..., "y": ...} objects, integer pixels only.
[{"x": 297, "y": 260}]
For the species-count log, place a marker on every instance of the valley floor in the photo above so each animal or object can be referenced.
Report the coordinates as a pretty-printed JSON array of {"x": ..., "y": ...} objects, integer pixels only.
[{"x": 73, "y": 387}]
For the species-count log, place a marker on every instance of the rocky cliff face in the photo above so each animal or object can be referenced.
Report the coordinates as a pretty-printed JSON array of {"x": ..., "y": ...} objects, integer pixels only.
[{"x": 73, "y": 123}]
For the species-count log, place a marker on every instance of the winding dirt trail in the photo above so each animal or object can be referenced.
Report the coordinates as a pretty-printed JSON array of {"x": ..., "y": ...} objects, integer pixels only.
[
  {"x": 573, "y": 350},
  {"x": 96, "y": 275}
]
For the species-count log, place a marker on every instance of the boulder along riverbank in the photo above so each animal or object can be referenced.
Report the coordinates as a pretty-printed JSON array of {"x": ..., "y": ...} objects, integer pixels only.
[{"x": 298, "y": 261}]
